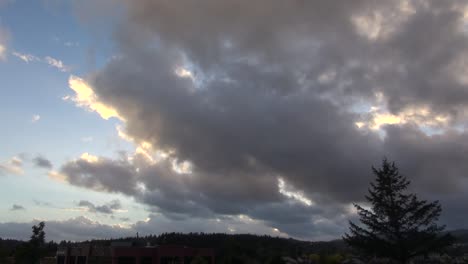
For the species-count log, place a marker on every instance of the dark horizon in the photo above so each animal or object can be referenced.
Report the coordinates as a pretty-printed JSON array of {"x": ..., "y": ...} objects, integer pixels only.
[{"x": 260, "y": 117}]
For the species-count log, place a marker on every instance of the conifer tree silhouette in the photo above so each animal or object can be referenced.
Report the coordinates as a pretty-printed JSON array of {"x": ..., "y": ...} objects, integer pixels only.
[{"x": 398, "y": 225}]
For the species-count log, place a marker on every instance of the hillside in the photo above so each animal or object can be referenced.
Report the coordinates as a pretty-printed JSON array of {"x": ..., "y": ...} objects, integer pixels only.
[{"x": 239, "y": 248}]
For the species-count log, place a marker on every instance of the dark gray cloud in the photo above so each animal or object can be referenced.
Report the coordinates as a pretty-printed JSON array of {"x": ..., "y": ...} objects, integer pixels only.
[
  {"x": 278, "y": 87},
  {"x": 17, "y": 207},
  {"x": 435, "y": 163},
  {"x": 116, "y": 176},
  {"x": 108, "y": 208},
  {"x": 42, "y": 162}
]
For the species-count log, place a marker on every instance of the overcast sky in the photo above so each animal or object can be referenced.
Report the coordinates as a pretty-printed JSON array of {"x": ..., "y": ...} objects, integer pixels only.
[{"x": 241, "y": 116}]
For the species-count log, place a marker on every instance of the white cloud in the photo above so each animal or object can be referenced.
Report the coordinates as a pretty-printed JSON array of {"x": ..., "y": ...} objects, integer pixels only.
[
  {"x": 35, "y": 118},
  {"x": 56, "y": 176},
  {"x": 87, "y": 139},
  {"x": 86, "y": 98},
  {"x": 57, "y": 64},
  {"x": 3, "y": 43},
  {"x": 89, "y": 158},
  {"x": 66, "y": 43},
  {"x": 184, "y": 73},
  {"x": 71, "y": 44},
  {"x": 378, "y": 117},
  {"x": 25, "y": 57},
  {"x": 2, "y": 52},
  {"x": 12, "y": 166},
  {"x": 289, "y": 192}
]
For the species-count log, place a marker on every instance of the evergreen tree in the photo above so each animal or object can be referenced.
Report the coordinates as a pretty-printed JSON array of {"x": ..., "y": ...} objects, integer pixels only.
[{"x": 398, "y": 226}]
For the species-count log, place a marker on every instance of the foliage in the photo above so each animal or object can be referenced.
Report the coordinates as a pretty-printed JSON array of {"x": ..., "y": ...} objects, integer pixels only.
[
  {"x": 32, "y": 251},
  {"x": 398, "y": 226},
  {"x": 38, "y": 236},
  {"x": 7, "y": 248},
  {"x": 3, "y": 254},
  {"x": 199, "y": 260}
]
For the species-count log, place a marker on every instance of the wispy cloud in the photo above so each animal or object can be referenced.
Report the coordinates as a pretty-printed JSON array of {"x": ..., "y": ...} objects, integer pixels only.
[
  {"x": 12, "y": 166},
  {"x": 57, "y": 64},
  {"x": 87, "y": 139},
  {"x": 17, "y": 207},
  {"x": 108, "y": 208},
  {"x": 42, "y": 203},
  {"x": 66, "y": 43},
  {"x": 42, "y": 162},
  {"x": 3, "y": 43},
  {"x": 35, "y": 118},
  {"x": 71, "y": 44},
  {"x": 56, "y": 176},
  {"x": 2, "y": 52},
  {"x": 25, "y": 57}
]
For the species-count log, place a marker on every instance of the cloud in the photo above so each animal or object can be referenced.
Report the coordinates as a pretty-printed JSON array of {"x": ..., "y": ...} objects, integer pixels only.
[
  {"x": 56, "y": 176},
  {"x": 4, "y": 36},
  {"x": 42, "y": 203},
  {"x": 87, "y": 139},
  {"x": 25, "y": 57},
  {"x": 113, "y": 176},
  {"x": 12, "y": 166},
  {"x": 177, "y": 196},
  {"x": 83, "y": 228},
  {"x": 108, "y": 208},
  {"x": 57, "y": 64},
  {"x": 76, "y": 229},
  {"x": 71, "y": 44},
  {"x": 247, "y": 93},
  {"x": 35, "y": 118},
  {"x": 42, "y": 162},
  {"x": 17, "y": 207},
  {"x": 2, "y": 52},
  {"x": 86, "y": 98}
]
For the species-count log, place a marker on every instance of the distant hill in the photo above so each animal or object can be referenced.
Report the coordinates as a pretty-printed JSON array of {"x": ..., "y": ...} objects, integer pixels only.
[
  {"x": 242, "y": 248},
  {"x": 460, "y": 234}
]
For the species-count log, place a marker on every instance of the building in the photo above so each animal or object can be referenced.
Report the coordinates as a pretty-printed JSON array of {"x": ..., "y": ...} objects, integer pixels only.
[{"x": 126, "y": 253}]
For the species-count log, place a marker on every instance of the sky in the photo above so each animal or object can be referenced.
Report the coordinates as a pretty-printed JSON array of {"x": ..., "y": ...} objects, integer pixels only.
[{"x": 260, "y": 117}]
